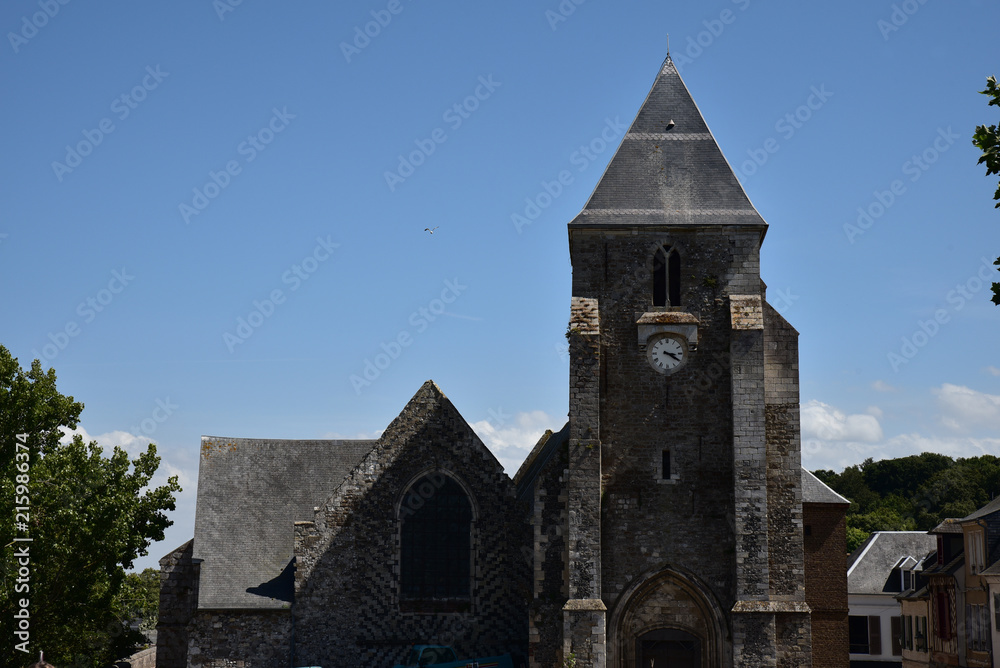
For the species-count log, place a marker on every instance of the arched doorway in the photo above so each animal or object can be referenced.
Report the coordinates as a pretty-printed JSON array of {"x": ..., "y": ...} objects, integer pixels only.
[
  {"x": 668, "y": 648},
  {"x": 671, "y": 619}
]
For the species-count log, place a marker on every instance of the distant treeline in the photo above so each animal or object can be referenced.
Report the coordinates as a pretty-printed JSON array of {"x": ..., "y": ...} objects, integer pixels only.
[{"x": 912, "y": 493}]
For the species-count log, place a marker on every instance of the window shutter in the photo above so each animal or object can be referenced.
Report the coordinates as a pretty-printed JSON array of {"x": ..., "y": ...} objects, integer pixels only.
[
  {"x": 896, "y": 628},
  {"x": 943, "y": 616},
  {"x": 874, "y": 635}
]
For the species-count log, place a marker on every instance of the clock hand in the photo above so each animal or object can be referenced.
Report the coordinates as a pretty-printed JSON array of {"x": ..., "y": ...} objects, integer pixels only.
[{"x": 672, "y": 355}]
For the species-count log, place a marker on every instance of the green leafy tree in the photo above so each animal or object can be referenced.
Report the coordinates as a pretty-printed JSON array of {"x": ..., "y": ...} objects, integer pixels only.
[
  {"x": 912, "y": 493},
  {"x": 139, "y": 602},
  {"x": 89, "y": 516},
  {"x": 987, "y": 141},
  {"x": 855, "y": 537}
]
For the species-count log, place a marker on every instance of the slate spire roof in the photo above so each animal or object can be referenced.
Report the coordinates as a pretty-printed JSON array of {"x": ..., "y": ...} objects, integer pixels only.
[{"x": 668, "y": 177}]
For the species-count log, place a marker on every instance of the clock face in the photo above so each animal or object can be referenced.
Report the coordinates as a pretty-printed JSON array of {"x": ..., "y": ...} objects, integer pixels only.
[{"x": 665, "y": 353}]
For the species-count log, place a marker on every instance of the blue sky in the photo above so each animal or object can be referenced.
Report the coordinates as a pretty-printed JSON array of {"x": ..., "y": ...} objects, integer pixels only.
[{"x": 214, "y": 213}]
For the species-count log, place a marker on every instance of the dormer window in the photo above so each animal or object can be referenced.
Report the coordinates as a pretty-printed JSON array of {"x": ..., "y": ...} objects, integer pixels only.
[
  {"x": 666, "y": 277},
  {"x": 904, "y": 571}
]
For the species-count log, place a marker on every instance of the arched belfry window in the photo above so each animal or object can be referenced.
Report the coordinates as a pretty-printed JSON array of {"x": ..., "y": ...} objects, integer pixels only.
[
  {"x": 436, "y": 540},
  {"x": 666, "y": 277}
]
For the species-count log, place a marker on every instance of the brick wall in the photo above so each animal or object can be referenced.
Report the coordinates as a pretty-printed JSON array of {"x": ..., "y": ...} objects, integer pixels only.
[{"x": 826, "y": 582}]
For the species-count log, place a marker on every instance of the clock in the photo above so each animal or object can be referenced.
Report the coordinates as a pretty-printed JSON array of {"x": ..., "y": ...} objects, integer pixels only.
[{"x": 666, "y": 353}]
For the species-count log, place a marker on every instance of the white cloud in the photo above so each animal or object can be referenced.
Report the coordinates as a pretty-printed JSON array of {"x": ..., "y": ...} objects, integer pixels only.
[
  {"x": 963, "y": 408},
  {"x": 130, "y": 443},
  {"x": 818, "y": 454},
  {"x": 992, "y": 370},
  {"x": 875, "y": 411},
  {"x": 826, "y": 423},
  {"x": 134, "y": 446},
  {"x": 511, "y": 439},
  {"x": 882, "y": 386}
]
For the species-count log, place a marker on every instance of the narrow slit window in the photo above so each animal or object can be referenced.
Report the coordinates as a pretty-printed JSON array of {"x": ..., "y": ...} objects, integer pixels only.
[
  {"x": 667, "y": 277},
  {"x": 665, "y": 465}
]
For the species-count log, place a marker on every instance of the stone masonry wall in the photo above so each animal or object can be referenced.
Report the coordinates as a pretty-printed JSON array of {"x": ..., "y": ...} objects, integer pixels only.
[
  {"x": 686, "y": 521},
  {"x": 240, "y": 639},
  {"x": 793, "y": 641},
  {"x": 583, "y": 615},
  {"x": 178, "y": 602},
  {"x": 550, "y": 570},
  {"x": 347, "y": 609},
  {"x": 784, "y": 472}
]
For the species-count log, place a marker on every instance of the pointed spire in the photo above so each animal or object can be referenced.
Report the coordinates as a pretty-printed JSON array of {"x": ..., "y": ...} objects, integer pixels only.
[{"x": 668, "y": 169}]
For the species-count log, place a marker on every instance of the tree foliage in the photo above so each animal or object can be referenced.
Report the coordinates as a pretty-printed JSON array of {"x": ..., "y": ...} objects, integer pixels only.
[
  {"x": 986, "y": 140},
  {"x": 89, "y": 516},
  {"x": 912, "y": 493}
]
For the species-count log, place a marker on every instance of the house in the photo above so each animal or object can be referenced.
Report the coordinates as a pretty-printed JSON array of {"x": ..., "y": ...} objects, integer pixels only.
[
  {"x": 991, "y": 577},
  {"x": 981, "y": 541},
  {"x": 664, "y": 523},
  {"x": 915, "y": 611},
  {"x": 950, "y": 614},
  {"x": 878, "y": 571}
]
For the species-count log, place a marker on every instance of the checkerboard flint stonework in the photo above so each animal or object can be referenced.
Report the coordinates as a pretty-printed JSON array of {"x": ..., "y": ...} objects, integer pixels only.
[{"x": 668, "y": 522}]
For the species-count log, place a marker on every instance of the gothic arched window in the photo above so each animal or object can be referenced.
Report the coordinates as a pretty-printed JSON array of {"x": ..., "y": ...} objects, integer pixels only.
[
  {"x": 436, "y": 540},
  {"x": 666, "y": 277}
]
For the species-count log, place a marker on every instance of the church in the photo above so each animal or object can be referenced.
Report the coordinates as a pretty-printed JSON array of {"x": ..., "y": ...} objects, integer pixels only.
[{"x": 668, "y": 522}]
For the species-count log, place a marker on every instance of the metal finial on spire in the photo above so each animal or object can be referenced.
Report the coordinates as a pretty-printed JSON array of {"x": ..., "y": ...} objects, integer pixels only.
[{"x": 668, "y": 46}]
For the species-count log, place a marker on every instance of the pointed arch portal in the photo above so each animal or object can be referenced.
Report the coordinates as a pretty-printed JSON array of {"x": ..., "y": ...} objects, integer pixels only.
[
  {"x": 668, "y": 648},
  {"x": 667, "y": 620}
]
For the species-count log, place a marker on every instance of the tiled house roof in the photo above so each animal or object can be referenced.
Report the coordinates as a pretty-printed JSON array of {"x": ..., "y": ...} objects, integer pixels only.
[
  {"x": 871, "y": 565},
  {"x": 250, "y": 494},
  {"x": 815, "y": 490}
]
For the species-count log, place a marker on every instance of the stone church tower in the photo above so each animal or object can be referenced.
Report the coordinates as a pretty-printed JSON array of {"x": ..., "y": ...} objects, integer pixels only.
[
  {"x": 678, "y": 489},
  {"x": 663, "y": 525}
]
